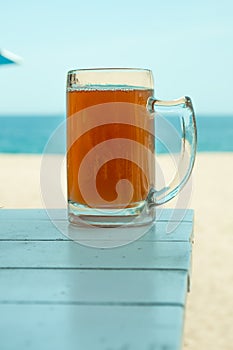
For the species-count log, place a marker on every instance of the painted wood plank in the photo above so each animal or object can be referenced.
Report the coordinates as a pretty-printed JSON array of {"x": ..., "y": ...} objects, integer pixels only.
[
  {"x": 46, "y": 230},
  {"x": 36, "y": 327},
  {"x": 93, "y": 286},
  {"x": 170, "y": 231},
  {"x": 164, "y": 214},
  {"x": 23, "y": 214},
  {"x": 30, "y": 230},
  {"x": 160, "y": 231},
  {"x": 61, "y": 214},
  {"x": 68, "y": 254}
]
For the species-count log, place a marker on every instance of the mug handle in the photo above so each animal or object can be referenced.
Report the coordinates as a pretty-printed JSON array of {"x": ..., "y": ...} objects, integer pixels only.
[{"x": 188, "y": 150}]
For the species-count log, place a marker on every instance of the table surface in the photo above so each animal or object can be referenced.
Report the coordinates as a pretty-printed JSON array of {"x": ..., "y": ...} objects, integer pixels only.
[{"x": 59, "y": 294}]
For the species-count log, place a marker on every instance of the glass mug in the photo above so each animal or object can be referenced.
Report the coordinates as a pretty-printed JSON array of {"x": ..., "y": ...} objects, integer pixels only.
[{"x": 111, "y": 147}]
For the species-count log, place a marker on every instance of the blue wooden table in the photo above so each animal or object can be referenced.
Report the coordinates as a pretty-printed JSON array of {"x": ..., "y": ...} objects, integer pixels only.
[{"x": 57, "y": 294}]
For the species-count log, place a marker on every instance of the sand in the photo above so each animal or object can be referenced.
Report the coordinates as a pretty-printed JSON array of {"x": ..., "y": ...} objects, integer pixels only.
[{"x": 209, "y": 313}]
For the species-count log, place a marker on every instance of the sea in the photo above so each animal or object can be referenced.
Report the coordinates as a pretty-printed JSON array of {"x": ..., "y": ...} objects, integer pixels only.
[{"x": 30, "y": 134}]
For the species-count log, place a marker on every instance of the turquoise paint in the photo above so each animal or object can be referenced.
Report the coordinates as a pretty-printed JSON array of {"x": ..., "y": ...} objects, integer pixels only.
[{"x": 57, "y": 294}]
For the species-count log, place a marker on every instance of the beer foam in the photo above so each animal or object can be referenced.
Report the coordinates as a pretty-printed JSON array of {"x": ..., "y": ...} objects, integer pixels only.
[{"x": 106, "y": 87}]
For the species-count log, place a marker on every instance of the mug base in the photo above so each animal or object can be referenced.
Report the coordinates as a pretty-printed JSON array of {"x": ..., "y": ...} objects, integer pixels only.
[{"x": 138, "y": 214}]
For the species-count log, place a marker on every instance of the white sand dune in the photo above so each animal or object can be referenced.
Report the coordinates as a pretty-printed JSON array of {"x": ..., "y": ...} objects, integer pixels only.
[{"x": 209, "y": 315}]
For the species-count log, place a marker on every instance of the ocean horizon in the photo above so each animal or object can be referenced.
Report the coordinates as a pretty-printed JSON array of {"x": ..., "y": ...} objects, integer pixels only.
[{"x": 30, "y": 134}]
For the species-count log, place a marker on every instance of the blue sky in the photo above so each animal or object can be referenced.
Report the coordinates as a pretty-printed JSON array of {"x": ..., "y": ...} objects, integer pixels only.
[{"x": 187, "y": 44}]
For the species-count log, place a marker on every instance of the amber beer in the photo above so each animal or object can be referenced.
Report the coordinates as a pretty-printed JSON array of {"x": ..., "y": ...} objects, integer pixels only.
[{"x": 115, "y": 169}]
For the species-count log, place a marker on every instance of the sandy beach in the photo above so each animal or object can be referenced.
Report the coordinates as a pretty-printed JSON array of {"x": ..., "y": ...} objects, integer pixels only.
[{"x": 209, "y": 314}]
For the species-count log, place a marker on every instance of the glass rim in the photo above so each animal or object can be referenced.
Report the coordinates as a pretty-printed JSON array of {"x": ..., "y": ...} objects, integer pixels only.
[{"x": 110, "y": 69}]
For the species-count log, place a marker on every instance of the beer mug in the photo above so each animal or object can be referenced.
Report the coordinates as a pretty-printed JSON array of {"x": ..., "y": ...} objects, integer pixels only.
[{"x": 111, "y": 161}]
